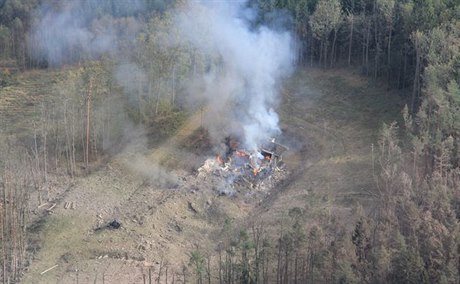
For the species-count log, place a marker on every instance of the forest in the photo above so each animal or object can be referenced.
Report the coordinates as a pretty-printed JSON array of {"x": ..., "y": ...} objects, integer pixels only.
[{"x": 100, "y": 70}]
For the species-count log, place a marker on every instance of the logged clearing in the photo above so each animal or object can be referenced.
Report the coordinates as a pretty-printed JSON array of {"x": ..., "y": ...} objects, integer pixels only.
[
  {"x": 20, "y": 103},
  {"x": 330, "y": 119}
]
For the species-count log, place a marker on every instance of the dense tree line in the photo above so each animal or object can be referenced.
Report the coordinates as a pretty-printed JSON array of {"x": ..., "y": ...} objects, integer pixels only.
[
  {"x": 383, "y": 37},
  {"x": 19, "y": 18}
]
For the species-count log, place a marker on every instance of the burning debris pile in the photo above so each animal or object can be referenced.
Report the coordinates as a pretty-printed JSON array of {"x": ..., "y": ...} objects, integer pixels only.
[{"x": 237, "y": 169}]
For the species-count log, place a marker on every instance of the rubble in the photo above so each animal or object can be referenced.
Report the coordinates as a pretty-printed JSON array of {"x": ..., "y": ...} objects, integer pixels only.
[
  {"x": 115, "y": 224},
  {"x": 238, "y": 170},
  {"x": 192, "y": 207}
]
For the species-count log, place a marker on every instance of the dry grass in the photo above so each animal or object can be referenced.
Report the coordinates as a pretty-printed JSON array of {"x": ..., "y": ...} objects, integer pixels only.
[
  {"x": 20, "y": 102},
  {"x": 338, "y": 114}
]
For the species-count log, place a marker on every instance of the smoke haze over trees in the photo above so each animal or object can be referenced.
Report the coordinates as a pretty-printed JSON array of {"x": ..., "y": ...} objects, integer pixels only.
[
  {"x": 222, "y": 32},
  {"x": 146, "y": 63}
]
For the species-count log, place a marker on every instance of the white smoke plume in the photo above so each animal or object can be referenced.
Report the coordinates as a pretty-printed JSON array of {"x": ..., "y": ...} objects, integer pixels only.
[
  {"x": 74, "y": 30},
  {"x": 252, "y": 61},
  {"x": 245, "y": 62}
]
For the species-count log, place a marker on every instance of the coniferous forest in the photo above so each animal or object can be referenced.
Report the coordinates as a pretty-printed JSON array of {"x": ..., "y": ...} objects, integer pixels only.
[{"x": 77, "y": 76}]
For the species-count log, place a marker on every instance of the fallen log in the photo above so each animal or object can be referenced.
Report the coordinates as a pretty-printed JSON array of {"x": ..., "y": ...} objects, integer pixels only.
[
  {"x": 51, "y": 268},
  {"x": 44, "y": 204},
  {"x": 51, "y": 208}
]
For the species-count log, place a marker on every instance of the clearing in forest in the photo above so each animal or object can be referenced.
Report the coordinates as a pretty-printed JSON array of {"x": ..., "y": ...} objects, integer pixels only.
[{"x": 330, "y": 118}]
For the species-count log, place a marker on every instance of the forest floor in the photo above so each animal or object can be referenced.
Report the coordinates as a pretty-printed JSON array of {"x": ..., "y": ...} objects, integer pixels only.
[{"x": 329, "y": 118}]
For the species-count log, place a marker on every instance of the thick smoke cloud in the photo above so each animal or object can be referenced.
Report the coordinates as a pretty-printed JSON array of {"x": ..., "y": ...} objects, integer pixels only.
[
  {"x": 242, "y": 90},
  {"x": 245, "y": 62}
]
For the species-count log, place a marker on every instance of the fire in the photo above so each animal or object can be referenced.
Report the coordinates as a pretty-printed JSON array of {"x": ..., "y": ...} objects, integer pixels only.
[
  {"x": 240, "y": 167},
  {"x": 241, "y": 153},
  {"x": 219, "y": 159}
]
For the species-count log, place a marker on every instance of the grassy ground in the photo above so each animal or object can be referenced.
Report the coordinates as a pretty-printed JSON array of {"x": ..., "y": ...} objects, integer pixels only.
[
  {"x": 329, "y": 118},
  {"x": 20, "y": 102},
  {"x": 338, "y": 116}
]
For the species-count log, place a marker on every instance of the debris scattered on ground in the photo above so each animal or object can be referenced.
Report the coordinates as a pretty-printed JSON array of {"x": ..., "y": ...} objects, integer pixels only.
[
  {"x": 236, "y": 170},
  {"x": 115, "y": 224},
  {"x": 43, "y": 205},
  {"x": 69, "y": 205},
  {"x": 51, "y": 268},
  {"x": 50, "y": 209},
  {"x": 192, "y": 207}
]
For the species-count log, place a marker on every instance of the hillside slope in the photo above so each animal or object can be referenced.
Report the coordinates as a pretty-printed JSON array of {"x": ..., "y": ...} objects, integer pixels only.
[{"x": 329, "y": 119}]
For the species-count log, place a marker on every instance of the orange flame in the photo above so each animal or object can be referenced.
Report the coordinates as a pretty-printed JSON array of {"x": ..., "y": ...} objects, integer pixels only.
[
  {"x": 219, "y": 159},
  {"x": 241, "y": 153}
]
